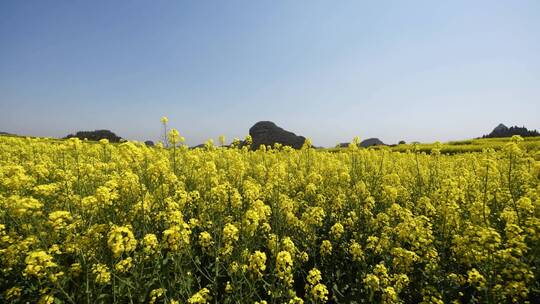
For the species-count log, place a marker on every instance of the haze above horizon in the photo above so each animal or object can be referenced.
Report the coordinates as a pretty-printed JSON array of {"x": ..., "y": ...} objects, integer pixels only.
[{"x": 327, "y": 70}]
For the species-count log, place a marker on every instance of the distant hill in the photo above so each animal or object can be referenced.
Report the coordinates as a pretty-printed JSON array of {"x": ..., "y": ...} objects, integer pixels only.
[
  {"x": 371, "y": 142},
  {"x": 199, "y": 146},
  {"x": 96, "y": 135},
  {"x": 365, "y": 143},
  {"x": 503, "y": 131}
]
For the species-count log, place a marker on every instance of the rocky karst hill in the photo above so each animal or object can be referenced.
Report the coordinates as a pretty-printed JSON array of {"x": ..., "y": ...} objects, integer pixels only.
[{"x": 268, "y": 133}]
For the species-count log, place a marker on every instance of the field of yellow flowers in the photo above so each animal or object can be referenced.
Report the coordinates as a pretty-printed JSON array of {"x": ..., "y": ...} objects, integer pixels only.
[{"x": 85, "y": 222}]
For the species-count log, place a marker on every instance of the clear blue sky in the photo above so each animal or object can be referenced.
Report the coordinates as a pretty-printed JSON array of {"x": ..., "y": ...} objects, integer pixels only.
[{"x": 329, "y": 70}]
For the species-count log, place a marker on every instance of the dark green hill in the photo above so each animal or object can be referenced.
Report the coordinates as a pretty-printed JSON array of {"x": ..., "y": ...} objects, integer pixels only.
[{"x": 96, "y": 135}]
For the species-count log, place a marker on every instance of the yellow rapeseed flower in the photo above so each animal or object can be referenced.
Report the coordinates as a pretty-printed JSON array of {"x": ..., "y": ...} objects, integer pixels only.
[
  {"x": 121, "y": 240},
  {"x": 257, "y": 263},
  {"x": 201, "y": 297},
  {"x": 101, "y": 273}
]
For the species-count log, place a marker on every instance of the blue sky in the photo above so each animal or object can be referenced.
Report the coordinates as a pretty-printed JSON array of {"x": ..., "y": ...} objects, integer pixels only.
[{"x": 328, "y": 70}]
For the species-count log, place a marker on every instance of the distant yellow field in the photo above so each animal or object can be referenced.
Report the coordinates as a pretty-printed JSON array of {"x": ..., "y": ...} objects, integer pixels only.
[
  {"x": 528, "y": 144},
  {"x": 473, "y": 145},
  {"x": 88, "y": 222}
]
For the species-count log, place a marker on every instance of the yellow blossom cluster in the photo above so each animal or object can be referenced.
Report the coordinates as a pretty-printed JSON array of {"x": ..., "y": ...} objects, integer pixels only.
[
  {"x": 316, "y": 291},
  {"x": 201, "y": 297},
  {"x": 121, "y": 240},
  {"x": 257, "y": 263},
  {"x": 38, "y": 264}
]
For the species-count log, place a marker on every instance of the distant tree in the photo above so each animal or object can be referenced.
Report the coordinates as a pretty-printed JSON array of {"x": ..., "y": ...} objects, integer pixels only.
[
  {"x": 149, "y": 143},
  {"x": 401, "y": 142}
]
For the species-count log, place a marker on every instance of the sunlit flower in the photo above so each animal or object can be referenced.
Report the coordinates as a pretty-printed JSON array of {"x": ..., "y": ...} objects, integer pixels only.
[
  {"x": 121, "y": 240},
  {"x": 101, "y": 273},
  {"x": 201, "y": 297}
]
